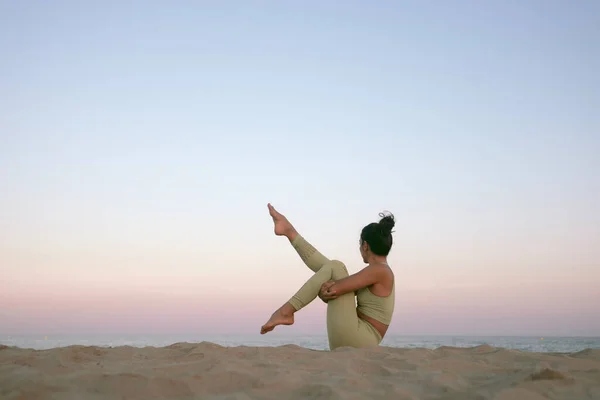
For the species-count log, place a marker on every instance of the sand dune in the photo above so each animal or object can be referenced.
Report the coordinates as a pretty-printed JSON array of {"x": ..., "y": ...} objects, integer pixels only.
[{"x": 210, "y": 371}]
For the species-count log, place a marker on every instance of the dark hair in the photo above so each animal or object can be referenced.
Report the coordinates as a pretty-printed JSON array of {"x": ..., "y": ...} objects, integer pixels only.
[{"x": 379, "y": 234}]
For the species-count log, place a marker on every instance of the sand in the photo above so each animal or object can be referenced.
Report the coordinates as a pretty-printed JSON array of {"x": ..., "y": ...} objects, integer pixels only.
[{"x": 210, "y": 371}]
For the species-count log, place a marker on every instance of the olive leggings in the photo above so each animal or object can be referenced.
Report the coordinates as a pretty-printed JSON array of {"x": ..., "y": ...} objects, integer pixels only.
[{"x": 344, "y": 327}]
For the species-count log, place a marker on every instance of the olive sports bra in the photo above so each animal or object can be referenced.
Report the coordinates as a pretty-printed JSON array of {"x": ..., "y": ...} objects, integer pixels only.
[{"x": 377, "y": 307}]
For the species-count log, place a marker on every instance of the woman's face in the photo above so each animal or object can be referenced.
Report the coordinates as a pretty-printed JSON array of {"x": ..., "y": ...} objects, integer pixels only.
[{"x": 364, "y": 249}]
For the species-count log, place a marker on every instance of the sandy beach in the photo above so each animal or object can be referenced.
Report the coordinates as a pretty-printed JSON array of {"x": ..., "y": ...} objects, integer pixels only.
[{"x": 209, "y": 371}]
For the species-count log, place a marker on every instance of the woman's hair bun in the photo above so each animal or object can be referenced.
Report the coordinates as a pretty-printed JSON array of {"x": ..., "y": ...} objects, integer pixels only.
[{"x": 387, "y": 222}]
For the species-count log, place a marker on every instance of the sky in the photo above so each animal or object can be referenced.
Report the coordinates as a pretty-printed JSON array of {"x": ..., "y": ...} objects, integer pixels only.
[{"x": 140, "y": 143}]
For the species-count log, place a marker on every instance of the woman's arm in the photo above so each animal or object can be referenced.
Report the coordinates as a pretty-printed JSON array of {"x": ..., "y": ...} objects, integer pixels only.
[{"x": 364, "y": 278}]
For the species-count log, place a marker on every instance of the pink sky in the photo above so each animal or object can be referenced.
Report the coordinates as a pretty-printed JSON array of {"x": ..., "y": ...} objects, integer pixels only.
[
  {"x": 147, "y": 282},
  {"x": 53, "y": 304}
]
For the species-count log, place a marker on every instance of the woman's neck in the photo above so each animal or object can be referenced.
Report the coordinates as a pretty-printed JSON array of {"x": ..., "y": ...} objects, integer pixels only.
[{"x": 375, "y": 259}]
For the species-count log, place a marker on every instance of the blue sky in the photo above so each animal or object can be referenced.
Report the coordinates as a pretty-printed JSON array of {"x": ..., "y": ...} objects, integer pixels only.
[{"x": 144, "y": 139}]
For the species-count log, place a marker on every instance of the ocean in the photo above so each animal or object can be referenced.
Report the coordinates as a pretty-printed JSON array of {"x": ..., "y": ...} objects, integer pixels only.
[{"x": 317, "y": 342}]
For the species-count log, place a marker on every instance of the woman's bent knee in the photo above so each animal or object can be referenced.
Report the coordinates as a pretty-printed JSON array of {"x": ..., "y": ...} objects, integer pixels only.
[{"x": 339, "y": 269}]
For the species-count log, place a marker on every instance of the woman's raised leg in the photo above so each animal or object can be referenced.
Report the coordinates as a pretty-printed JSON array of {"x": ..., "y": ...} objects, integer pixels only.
[{"x": 311, "y": 256}]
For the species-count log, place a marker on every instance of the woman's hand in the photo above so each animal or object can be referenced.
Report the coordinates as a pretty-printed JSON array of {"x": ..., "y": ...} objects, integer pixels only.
[{"x": 327, "y": 293}]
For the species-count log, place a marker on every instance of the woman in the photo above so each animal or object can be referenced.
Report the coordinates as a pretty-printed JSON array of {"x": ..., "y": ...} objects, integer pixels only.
[{"x": 348, "y": 324}]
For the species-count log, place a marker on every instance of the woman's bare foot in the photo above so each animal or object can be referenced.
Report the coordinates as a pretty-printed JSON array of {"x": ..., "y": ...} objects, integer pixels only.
[
  {"x": 283, "y": 316},
  {"x": 282, "y": 226}
]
